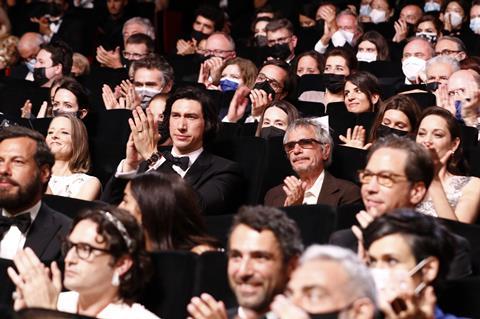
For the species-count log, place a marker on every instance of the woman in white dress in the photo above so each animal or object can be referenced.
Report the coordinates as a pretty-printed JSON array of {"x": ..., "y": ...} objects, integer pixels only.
[
  {"x": 451, "y": 194},
  {"x": 67, "y": 138},
  {"x": 105, "y": 268}
]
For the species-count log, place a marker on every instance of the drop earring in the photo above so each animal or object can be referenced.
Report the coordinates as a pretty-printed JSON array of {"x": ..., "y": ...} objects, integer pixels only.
[{"x": 116, "y": 279}]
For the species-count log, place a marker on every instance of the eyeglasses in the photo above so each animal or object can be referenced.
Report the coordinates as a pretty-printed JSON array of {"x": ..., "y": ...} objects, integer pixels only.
[
  {"x": 82, "y": 250},
  {"x": 447, "y": 52},
  {"x": 276, "y": 86},
  {"x": 383, "y": 178},
  {"x": 217, "y": 53},
  {"x": 305, "y": 143},
  {"x": 133, "y": 56},
  {"x": 282, "y": 40}
]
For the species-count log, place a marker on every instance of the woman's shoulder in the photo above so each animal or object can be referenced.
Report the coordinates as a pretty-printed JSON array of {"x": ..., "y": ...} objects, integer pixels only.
[{"x": 123, "y": 310}]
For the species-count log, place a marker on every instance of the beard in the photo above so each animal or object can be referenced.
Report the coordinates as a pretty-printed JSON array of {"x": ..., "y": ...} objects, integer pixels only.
[{"x": 23, "y": 195}]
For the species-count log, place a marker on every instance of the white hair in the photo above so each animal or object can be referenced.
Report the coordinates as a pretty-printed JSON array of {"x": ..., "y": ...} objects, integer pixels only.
[{"x": 149, "y": 30}]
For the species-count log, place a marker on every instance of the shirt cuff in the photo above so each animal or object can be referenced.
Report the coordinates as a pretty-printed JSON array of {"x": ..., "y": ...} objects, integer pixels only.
[
  {"x": 320, "y": 48},
  {"x": 125, "y": 175}
]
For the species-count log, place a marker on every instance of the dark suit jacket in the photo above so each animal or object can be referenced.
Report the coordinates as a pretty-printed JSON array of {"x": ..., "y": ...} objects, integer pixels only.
[
  {"x": 334, "y": 192},
  {"x": 217, "y": 181},
  {"x": 47, "y": 232},
  {"x": 460, "y": 267}
]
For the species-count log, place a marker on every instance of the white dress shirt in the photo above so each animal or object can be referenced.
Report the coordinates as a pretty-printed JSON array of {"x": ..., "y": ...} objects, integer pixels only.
[
  {"x": 192, "y": 157},
  {"x": 311, "y": 195},
  {"x": 14, "y": 240}
]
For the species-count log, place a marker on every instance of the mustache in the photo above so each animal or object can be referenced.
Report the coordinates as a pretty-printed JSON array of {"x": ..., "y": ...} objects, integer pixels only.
[{"x": 8, "y": 180}]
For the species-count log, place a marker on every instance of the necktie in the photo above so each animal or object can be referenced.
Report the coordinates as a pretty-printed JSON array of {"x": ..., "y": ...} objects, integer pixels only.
[
  {"x": 181, "y": 162},
  {"x": 22, "y": 221}
]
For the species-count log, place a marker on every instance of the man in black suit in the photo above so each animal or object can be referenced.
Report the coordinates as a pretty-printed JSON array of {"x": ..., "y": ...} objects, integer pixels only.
[
  {"x": 192, "y": 123},
  {"x": 263, "y": 250},
  {"x": 25, "y": 168},
  {"x": 309, "y": 148}
]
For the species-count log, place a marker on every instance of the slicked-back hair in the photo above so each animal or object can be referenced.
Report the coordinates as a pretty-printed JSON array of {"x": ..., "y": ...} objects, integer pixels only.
[
  {"x": 419, "y": 164},
  {"x": 43, "y": 156},
  {"x": 61, "y": 53},
  {"x": 154, "y": 62},
  {"x": 208, "y": 109},
  {"x": 262, "y": 218},
  {"x": 425, "y": 236}
]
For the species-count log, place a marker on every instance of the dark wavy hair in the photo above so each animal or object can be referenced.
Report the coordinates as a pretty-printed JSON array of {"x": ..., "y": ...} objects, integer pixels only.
[
  {"x": 132, "y": 282},
  {"x": 208, "y": 109},
  {"x": 456, "y": 164},
  {"x": 73, "y": 86},
  {"x": 368, "y": 85},
  {"x": 383, "y": 53},
  {"x": 171, "y": 215},
  {"x": 346, "y": 54},
  {"x": 425, "y": 236}
]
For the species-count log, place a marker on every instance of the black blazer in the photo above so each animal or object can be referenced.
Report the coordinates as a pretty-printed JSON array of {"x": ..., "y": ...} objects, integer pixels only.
[
  {"x": 217, "y": 181},
  {"x": 47, "y": 232}
]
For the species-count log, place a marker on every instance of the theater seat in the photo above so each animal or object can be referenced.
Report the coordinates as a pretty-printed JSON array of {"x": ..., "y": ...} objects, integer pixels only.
[
  {"x": 6, "y": 286},
  {"x": 346, "y": 161},
  {"x": 70, "y": 206}
]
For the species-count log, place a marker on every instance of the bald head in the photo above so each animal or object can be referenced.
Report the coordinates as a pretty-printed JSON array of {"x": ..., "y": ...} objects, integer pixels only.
[
  {"x": 411, "y": 13},
  {"x": 220, "y": 44},
  {"x": 463, "y": 79},
  {"x": 29, "y": 45},
  {"x": 418, "y": 47}
]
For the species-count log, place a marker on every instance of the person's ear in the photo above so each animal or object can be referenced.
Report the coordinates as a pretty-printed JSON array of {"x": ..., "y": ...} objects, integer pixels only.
[
  {"x": 417, "y": 193},
  {"x": 45, "y": 173},
  {"x": 455, "y": 144},
  {"x": 58, "y": 69},
  {"x": 294, "y": 41},
  {"x": 82, "y": 113},
  {"x": 326, "y": 151},
  {"x": 363, "y": 308},
  {"x": 123, "y": 265},
  {"x": 374, "y": 99},
  {"x": 430, "y": 270}
]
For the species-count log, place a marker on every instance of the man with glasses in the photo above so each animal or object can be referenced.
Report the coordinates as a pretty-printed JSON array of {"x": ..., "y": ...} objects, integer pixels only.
[
  {"x": 280, "y": 40},
  {"x": 398, "y": 174},
  {"x": 452, "y": 47},
  {"x": 137, "y": 47},
  {"x": 464, "y": 98},
  {"x": 25, "y": 168},
  {"x": 309, "y": 148},
  {"x": 273, "y": 83}
]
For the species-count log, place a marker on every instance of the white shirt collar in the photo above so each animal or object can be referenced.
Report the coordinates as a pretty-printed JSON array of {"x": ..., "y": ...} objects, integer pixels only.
[
  {"x": 192, "y": 157},
  {"x": 314, "y": 191},
  {"x": 32, "y": 210}
]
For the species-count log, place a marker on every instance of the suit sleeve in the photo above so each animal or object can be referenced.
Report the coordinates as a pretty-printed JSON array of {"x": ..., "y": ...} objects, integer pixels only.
[
  {"x": 113, "y": 192},
  {"x": 275, "y": 197}
]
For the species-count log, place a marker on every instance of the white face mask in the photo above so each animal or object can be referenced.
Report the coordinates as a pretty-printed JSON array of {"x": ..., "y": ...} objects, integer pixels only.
[
  {"x": 412, "y": 67},
  {"x": 431, "y": 6},
  {"x": 146, "y": 94},
  {"x": 430, "y": 36},
  {"x": 475, "y": 25},
  {"x": 365, "y": 9},
  {"x": 340, "y": 37},
  {"x": 455, "y": 18},
  {"x": 366, "y": 56},
  {"x": 378, "y": 16}
]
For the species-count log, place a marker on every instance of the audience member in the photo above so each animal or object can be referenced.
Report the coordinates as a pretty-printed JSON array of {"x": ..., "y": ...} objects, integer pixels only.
[
  {"x": 309, "y": 147},
  {"x": 275, "y": 119},
  {"x": 263, "y": 249},
  {"x": 25, "y": 167},
  {"x": 53, "y": 61},
  {"x": 416, "y": 53},
  {"x": 340, "y": 30},
  {"x": 310, "y": 62},
  {"x": 362, "y": 92},
  {"x": 372, "y": 46},
  {"x": 430, "y": 28},
  {"x": 339, "y": 63},
  {"x": 236, "y": 72},
  {"x": 105, "y": 268},
  {"x": 281, "y": 40},
  {"x": 452, "y": 47},
  {"x": 171, "y": 219},
  {"x": 28, "y": 47},
  {"x": 67, "y": 139},
  {"x": 462, "y": 98}
]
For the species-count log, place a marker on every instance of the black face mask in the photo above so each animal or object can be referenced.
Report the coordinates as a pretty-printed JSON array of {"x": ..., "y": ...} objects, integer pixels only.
[
  {"x": 334, "y": 82},
  {"x": 329, "y": 315},
  {"x": 266, "y": 87},
  {"x": 261, "y": 40},
  {"x": 76, "y": 114},
  {"x": 432, "y": 86},
  {"x": 383, "y": 131},
  {"x": 279, "y": 51},
  {"x": 320, "y": 26},
  {"x": 39, "y": 76},
  {"x": 271, "y": 131},
  {"x": 198, "y": 36}
]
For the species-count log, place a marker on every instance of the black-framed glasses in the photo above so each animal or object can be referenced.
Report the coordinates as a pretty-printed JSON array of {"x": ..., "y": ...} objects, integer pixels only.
[
  {"x": 447, "y": 52},
  {"x": 386, "y": 179},
  {"x": 305, "y": 143},
  {"x": 281, "y": 40},
  {"x": 133, "y": 56},
  {"x": 276, "y": 86},
  {"x": 83, "y": 250}
]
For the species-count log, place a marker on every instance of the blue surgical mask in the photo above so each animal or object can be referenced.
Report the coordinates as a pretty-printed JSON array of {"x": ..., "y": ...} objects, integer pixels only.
[
  {"x": 30, "y": 64},
  {"x": 475, "y": 25},
  {"x": 227, "y": 84}
]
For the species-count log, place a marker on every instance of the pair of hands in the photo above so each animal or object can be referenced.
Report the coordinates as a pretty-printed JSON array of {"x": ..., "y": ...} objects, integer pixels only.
[
  {"x": 401, "y": 31},
  {"x": 186, "y": 47},
  {"x": 328, "y": 14},
  {"x": 259, "y": 98},
  {"x": 36, "y": 285},
  {"x": 143, "y": 139},
  {"x": 210, "y": 71},
  {"x": 27, "y": 110},
  {"x": 124, "y": 96},
  {"x": 206, "y": 307},
  {"x": 408, "y": 305},
  {"x": 109, "y": 59},
  {"x": 469, "y": 98},
  {"x": 355, "y": 137}
]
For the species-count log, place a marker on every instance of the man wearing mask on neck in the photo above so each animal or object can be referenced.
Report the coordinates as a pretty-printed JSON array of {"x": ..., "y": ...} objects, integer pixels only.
[
  {"x": 281, "y": 40},
  {"x": 343, "y": 31}
]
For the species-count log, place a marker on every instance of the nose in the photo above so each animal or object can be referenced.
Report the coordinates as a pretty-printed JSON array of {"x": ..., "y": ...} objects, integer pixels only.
[
  {"x": 245, "y": 268},
  {"x": 372, "y": 186},
  {"x": 71, "y": 256},
  {"x": 5, "y": 169},
  {"x": 297, "y": 149}
]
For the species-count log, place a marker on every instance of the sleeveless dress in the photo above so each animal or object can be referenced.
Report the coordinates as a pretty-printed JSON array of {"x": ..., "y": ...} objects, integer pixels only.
[
  {"x": 70, "y": 185},
  {"x": 453, "y": 190}
]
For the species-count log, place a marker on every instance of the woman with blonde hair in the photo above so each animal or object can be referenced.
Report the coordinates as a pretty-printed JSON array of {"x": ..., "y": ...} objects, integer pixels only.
[{"x": 68, "y": 140}]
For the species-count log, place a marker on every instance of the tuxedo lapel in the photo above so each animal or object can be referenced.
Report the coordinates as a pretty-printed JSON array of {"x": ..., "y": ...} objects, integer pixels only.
[
  {"x": 329, "y": 188},
  {"x": 42, "y": 232},
  {"x": 198, "y": 168}
]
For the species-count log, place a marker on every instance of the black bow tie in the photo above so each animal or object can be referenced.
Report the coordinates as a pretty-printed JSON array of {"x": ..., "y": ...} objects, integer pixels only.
[
  {"x": 181, "y": 162},
  {"x": 22, "y": 221}
]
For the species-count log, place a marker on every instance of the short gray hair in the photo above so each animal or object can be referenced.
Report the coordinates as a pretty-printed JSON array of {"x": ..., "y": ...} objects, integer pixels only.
[
  {"x": 149, "y": 30},
  {"x": 360, "y": 283},
  {"x": 444, "y": 59},
  {"x": 460, "y": 45},
  {"x": 321, "y": 133}
]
